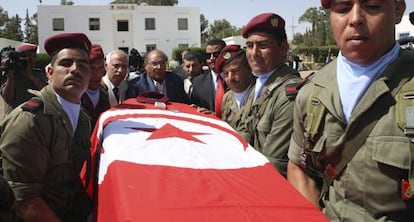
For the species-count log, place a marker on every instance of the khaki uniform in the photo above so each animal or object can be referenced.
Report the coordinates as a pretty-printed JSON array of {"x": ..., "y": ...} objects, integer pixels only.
[
  {"x": 369, "y": 188},
  {"x": 43, "y": 157},
  {"x": 270, "y": 133},
  {"x": 230, "y": 111},
  {"x": 21, "y": 85}
]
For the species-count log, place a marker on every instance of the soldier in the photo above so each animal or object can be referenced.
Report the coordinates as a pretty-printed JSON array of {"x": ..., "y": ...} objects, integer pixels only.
[
  {"x": 267, "y": 119},
  {"x": 45, "y": 141},
  {"x": 232, "y": 62},
  {"x": 95, "y": 100},
  {"x": 353, "y": 120}
]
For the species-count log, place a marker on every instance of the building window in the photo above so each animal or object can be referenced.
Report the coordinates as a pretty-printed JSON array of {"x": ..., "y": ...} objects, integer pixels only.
[
  {"x": 151, "y": 47},
  {"x": 182, "y": 24},
  {"x": 183, "y": 46},
  {"x": 122, "y": 25},
  {"x": 58, "y": 24},
  {"x": 94, "y": 24},
  {"x": 149, "y": 23}
]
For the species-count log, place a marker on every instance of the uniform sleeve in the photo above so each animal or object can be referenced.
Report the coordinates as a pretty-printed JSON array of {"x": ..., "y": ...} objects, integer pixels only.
[
  {"x": 276, "y": 142},
  {"x": 296, "y": 142},
  {"x": 25, "y": 153}
]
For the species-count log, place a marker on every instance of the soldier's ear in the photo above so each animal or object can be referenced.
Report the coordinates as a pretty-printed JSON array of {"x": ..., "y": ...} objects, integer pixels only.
[
  {"x": 399, "y": 10},
  {"x": 49, "y": 71}
]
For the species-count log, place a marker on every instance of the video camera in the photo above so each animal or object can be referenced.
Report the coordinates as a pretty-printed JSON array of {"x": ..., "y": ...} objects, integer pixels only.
[{"x": 15, "y": 58}]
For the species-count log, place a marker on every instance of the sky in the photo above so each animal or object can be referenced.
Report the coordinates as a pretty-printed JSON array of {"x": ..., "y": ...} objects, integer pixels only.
[{"x": 237, "y": 12}]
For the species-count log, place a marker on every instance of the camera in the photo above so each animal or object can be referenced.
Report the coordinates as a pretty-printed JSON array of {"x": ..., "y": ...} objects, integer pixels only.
[{"x": 16, "y": 60}]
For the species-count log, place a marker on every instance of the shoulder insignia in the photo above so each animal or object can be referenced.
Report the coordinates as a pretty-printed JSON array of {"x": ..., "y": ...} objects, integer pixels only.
[
  {"x": 33, "y": 104},
  {"x": 291, "y": 89}
]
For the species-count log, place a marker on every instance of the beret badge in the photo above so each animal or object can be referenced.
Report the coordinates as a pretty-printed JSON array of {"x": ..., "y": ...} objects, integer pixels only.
[
  {"x": 227, "y": 55},
  {"x": 274, "y": 21}
]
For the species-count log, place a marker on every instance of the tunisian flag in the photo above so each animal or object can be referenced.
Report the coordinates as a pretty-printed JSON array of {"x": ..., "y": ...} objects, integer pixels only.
[{"x": 178, "y": 165}]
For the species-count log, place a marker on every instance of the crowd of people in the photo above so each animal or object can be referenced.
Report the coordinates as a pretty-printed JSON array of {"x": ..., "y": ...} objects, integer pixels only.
[{"x": 342, "y": 137}]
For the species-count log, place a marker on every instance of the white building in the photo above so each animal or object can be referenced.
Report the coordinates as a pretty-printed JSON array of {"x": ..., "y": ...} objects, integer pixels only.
[
  {"x": 124, "y": 26},
  {"x": 404, "y": 29},
  {"x": 238, "y": 40}
]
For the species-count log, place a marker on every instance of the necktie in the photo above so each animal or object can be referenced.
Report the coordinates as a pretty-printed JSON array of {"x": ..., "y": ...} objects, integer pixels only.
[
  {"x": 219, "y": 96},
  {"x": 116, "y": 93}
]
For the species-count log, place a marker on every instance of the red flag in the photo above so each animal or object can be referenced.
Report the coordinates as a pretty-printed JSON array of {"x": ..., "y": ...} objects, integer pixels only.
[{"x": 178, "y": 165}]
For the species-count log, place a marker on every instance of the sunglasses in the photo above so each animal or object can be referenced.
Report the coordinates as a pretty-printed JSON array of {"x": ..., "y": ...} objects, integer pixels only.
[{"x": 215, "y": 54}]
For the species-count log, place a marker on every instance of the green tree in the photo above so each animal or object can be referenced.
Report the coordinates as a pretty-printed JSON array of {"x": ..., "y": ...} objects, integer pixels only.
[
  {"x": 320, "y": 33},
  {"x": 30, "y": 32},
  {"x": 203, "y": 29},
  {"x": 12, "y": 29},
  {"x": 221, "y": 29},
  {"x": 4, "y": 17}
]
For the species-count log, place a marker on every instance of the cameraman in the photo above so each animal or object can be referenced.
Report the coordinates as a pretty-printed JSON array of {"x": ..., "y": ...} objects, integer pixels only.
[{"x": 17, "y": 80}]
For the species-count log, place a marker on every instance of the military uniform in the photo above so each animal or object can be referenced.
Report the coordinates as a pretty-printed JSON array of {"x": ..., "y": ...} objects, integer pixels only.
[
  {"x": 102, "y": 106},
  {"x": 369, "y": 188},
  {"x": 231, "y": 113},
  {"x": 43, "y": 155},
  {"x": 267, "y": 125},
  {"x": 21, "y": 84}
]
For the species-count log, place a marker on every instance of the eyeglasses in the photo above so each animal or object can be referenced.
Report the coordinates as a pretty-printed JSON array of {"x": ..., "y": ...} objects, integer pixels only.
[{"x": 214, "y": 54}]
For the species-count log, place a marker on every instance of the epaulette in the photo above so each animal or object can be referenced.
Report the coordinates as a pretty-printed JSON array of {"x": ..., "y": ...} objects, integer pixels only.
[
  {"x": 291, "y": 89},
  {"x": 305, "y": 80},
  {"x": 33, "y": 104}
]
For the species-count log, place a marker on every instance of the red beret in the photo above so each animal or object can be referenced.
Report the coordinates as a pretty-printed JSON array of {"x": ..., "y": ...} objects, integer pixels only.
[
  {"x": 27, "y": 47},
  {"x": 266, "y": 22},
  {"x": 226, "y": 55},
  {"x": 96, "y": 53},
  {"x": 326, "y": 4},
  {"x": 67, "y": 40}
]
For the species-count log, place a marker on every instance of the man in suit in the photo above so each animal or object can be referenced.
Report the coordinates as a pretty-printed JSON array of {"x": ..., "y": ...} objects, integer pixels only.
[
  {"x": 116, "y": 66},
  {"x": 192, "y": 65},
  {"x": 157, "y": 79},
  {"x": 205, "y": 85}
]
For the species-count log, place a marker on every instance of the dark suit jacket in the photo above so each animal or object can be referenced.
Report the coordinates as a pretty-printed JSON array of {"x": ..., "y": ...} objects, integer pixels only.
[
  {"x": 203, "y": 92},
  {"x": 144, "y": 83}
]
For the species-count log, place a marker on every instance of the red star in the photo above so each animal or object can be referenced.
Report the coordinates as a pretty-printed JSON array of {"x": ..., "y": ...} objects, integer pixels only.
[{"x": 169, "y": 131}]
